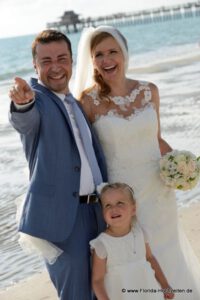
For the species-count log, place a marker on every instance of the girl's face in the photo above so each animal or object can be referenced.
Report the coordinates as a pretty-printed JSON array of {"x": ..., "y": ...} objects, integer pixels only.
[
  {"x": 108, "y": 59},
  {"x": 118, "y": 208}
]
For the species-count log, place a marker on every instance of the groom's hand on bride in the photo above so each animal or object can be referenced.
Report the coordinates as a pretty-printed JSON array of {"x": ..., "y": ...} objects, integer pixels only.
[{"x": 21, "y": 93}]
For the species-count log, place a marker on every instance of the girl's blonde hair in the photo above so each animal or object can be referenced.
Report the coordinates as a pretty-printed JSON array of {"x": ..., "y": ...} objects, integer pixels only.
[{"x": 119, "y": 186}]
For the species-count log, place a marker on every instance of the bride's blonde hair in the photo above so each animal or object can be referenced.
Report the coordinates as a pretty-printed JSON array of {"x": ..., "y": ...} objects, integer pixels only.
[{"x": 103, "y": 88}]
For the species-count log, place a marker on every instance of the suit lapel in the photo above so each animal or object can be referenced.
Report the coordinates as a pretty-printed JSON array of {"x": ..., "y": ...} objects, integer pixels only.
[{"x": 51, "y": 96}]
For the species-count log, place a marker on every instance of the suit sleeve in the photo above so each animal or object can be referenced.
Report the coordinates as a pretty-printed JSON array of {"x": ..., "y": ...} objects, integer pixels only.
[
  {"x": 25, "y": 121},
  {"x": 22, "y": 108}
]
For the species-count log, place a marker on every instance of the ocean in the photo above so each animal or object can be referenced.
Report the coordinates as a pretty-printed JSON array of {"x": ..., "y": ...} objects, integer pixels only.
[{"x": 166, "y": 53}]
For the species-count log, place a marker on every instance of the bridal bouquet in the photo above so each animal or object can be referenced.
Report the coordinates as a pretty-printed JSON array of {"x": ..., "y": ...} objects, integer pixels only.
[{"x": 180, "y": 169}]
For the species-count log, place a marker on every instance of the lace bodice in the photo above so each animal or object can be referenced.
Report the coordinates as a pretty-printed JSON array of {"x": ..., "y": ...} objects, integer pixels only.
[
  {"x": 125, "y": 106},
  {"x": 119, "y": 100},
  {"x": 130, "y": 142}
]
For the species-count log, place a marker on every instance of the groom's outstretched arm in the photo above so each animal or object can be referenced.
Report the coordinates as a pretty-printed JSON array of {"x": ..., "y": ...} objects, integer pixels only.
[{"x": 23, "y": 114}]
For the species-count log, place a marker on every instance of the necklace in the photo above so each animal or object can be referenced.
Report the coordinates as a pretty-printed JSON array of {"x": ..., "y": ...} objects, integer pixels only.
[{"x": 134, "y": 243}]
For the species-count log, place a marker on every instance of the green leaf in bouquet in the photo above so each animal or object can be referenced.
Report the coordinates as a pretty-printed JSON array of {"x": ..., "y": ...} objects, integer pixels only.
[
  {"x": 191, "y": 179},
  {"x": 179, "y": 187},
  {"x": 171, "y": 158}
]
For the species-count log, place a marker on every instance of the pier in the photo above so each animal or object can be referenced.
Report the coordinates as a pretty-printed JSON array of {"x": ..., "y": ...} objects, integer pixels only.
[{"x": 72, "y": 22}]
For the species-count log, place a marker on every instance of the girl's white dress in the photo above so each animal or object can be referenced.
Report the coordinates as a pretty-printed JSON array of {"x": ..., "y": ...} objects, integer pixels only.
[
  {"x": 132, "y": 154},
  {"x": 128, "y": 274}
]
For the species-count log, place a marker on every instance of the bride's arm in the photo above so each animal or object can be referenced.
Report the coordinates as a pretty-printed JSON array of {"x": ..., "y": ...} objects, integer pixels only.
[{"x": 164, "y": 146}]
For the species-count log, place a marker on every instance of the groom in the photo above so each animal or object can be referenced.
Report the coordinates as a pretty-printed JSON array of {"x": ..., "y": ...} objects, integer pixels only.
[{"x": 65, "y": 162}]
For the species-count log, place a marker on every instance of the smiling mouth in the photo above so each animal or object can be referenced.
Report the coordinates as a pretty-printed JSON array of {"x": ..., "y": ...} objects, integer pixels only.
[
  {"x": 109, "y": 69},
  {"x": 56, "y": 77},
  {"x": 115, "y": 216}
]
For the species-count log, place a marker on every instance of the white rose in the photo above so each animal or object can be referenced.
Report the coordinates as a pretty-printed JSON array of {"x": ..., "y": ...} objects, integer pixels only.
[
  {"x": 192, "y": 166},
  {"x": 185, "y": 186},
  {"x": 180, "y": 157},
  {"x": 182, "y": 167}
]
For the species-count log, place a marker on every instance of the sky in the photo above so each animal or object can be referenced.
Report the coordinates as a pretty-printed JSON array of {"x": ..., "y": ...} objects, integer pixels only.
[{"x": 21, "y": 17}]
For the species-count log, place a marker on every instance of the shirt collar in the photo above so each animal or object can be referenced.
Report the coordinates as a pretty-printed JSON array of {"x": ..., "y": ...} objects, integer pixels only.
[{"x": 59, "y": 95}]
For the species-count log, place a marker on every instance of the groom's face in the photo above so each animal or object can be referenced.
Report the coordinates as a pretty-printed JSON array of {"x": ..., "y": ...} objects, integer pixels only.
[{"x": 53, "y": 64}]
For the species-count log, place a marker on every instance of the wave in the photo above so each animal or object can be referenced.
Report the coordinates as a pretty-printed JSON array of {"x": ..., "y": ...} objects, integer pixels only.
[
  {"x": 18, "y": 72},
  {"x": 166, "y": 65}
]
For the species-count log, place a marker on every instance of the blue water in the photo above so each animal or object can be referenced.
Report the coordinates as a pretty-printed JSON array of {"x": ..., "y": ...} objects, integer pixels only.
[
  {"x": 158, "y": 39},
  {"x": 167, "y": 54}
]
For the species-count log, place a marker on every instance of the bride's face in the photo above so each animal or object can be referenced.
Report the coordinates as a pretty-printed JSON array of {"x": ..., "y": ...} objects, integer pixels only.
[{"x": 108, "y": 60}]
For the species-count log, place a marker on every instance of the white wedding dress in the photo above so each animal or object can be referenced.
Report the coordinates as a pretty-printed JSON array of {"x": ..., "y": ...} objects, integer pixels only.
[{"x": 132, "y": 154}]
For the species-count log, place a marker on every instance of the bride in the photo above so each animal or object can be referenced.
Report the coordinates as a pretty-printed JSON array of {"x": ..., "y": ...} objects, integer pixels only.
[{"x": 125, "y": 114}]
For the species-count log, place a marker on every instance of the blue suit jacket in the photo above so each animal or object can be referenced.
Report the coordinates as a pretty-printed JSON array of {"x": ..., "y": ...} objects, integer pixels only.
[{"x": 54, "y": 163}]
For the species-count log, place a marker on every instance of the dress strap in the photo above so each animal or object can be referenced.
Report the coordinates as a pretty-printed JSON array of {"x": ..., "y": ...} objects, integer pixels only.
[{"x": 94, "y": 95}]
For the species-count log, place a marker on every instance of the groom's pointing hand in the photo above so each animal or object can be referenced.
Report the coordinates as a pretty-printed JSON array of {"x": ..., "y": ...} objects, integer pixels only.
[{"x": 21, "y": 93}]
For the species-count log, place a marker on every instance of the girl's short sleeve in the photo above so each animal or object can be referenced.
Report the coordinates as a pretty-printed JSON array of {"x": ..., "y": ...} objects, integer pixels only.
[
  {"x": 146, "y": 235},
  {"x": 99, "y": 248}
]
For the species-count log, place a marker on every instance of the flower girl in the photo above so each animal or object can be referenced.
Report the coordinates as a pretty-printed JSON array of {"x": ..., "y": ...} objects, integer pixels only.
[{"x": 123, "y": 265}]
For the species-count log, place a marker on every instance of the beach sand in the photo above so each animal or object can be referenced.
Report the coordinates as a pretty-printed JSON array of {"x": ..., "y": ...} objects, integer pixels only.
[{"x": 39, "y": 287}]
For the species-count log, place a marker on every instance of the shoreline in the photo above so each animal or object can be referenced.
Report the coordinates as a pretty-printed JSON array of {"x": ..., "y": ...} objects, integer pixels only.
[{"x": 39, "y": 286}]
